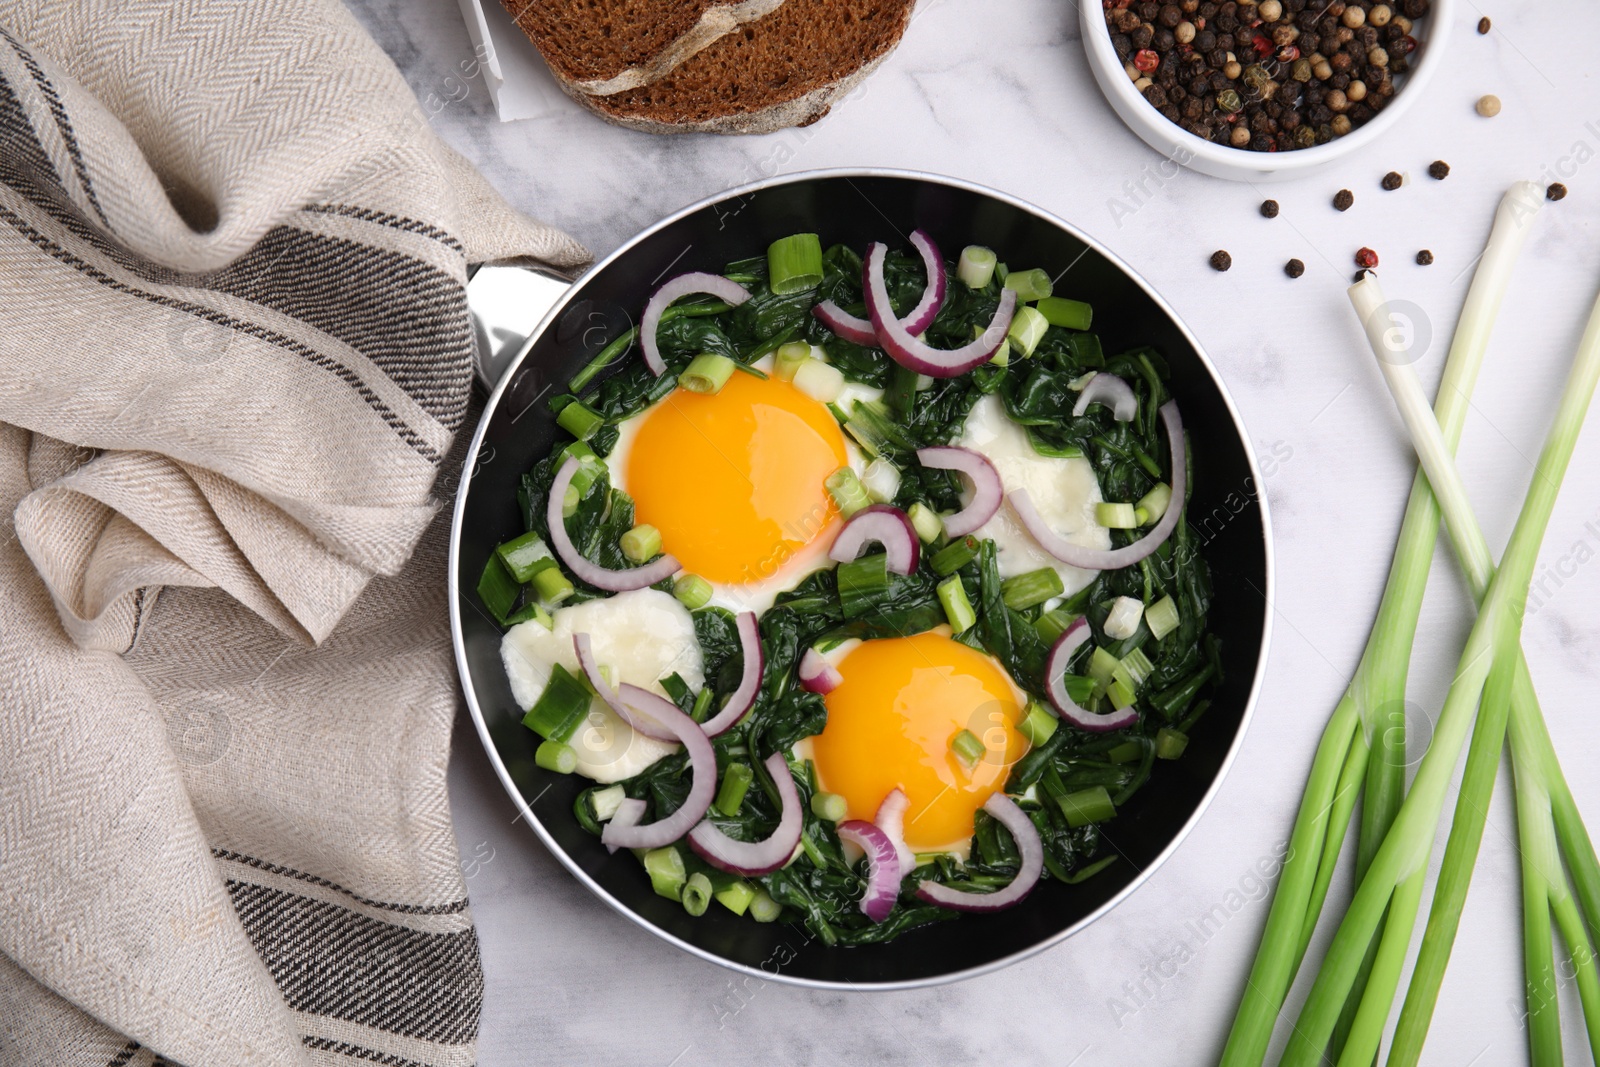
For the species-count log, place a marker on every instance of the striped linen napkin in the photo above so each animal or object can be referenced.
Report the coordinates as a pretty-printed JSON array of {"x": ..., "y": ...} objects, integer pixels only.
[{"x": 234, "y": 358}]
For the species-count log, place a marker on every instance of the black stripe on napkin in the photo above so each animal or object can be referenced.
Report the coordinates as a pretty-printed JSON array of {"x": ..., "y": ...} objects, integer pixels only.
[
  {"x": 454, "y": 907},
  {"x": 330, "y": 961},
  {"x": 358, "y": 1052},
  {"x": 306, "y": 352},
  {"x": 127, "y": 1051},
  {"x": 405, "y": 316},
  {"x": 394, "y": 222},
  {"x": 20, "y": 150},
  {"x": 59, "y": 112}
]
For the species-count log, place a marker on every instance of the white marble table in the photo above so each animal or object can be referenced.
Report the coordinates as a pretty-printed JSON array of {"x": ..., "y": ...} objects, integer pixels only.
[{"x": 999, "y": 93}]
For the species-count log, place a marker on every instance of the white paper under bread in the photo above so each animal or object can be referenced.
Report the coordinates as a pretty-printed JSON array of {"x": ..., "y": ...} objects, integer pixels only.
[{"x": 518, "y": 81}]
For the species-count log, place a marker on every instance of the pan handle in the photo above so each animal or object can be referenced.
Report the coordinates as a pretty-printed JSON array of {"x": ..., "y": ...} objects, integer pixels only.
[{"x": 507, "y": 304}]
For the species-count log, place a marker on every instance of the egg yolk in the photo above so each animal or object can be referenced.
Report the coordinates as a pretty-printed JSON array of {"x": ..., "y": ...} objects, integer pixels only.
[
  {"x": 891, "y": 723},
  {"x": 734, "y": 480}
]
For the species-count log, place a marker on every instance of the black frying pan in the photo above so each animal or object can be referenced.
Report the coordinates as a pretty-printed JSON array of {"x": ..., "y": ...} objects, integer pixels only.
[{"x": 857, "y": 207}]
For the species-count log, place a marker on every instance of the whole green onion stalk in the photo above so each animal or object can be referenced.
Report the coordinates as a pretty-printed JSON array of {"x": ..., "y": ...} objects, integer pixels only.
[
  {"x": 1483, "y": 673},
  {"x": 1372, "y": 708},
  {"x": 1537, "y": 771}
]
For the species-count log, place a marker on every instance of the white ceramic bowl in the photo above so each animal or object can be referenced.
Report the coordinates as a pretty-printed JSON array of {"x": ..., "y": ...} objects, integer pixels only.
[{"x": 1241, "y": 164}]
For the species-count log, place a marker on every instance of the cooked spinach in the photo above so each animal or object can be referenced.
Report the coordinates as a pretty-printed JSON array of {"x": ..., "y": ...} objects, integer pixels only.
[{"x": 820, "y": 887}]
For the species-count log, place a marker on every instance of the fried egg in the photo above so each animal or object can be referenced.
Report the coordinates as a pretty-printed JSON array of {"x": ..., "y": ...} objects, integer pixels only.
[
  {"x": 641, "y": 636},
  {"x": 1064, "y": 490},
  {"x": 891, "y": 723},
  {"x": 734, "y": 482}
]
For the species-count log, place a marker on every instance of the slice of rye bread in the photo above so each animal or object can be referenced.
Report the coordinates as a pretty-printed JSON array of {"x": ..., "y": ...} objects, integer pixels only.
[
  {"x": 784, "y": 69},
  {"x": 608, "y": 46}
]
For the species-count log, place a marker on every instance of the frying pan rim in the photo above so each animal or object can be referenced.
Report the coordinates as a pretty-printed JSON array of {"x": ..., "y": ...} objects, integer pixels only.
[{"x": 456, "y": 592}]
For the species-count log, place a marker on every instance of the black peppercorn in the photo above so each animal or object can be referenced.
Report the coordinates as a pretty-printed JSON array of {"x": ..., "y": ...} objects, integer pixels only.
[
  {"x": 1265, "y": 70},
  {"x": 1220, "y": 260},
  {"x": 1269, "y": 209},
  {"x": 1555, "y": 191},
  {"x": 1438, "y": 169},
  {"x": 1415, "y": 9},
  {"x": 1424, "y": 258},
  {"x": 1343, "y": 199},
  {"x": 1294, "y": 268},
  {"x": 1392, "y": 180}
]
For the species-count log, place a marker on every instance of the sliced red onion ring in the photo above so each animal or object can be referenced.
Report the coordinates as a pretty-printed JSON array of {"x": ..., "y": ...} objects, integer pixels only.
[
  {"x": 986, "y": 488},
  {"x": 1013, "y": 818},
  {"x": 883, "y": 867},
  {"x": 639, "y": 723},
  {"x": 1055, "y": 669},
  {"x": 817, "y": 675},
  {"x": 628, "y": 813},
  {"x": 599, "y": 577},
  {"x": 891, "y": 819},
  {"x": 702, "y": 768},
  {"x": 890, "y": 527},
  {"x": 927, "y": 309},
  {"x": 862, "y": 332},
  {"x": 1111, "y": 391},
  {"x": 1094, "y": 559},
  {"x": 749, "y": 683},
  {"x": 724, "y": 289},
  {"x": 906, "y": 350},
  {"x": 752, "y": 858},
  {"x": 856, "y": 331}
]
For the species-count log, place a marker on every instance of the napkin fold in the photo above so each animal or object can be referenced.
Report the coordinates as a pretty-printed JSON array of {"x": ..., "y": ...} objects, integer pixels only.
[{"x": 234, "y": 359}]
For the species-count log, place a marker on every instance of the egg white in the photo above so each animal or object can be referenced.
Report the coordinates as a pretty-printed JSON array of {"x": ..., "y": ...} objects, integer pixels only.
[
  {"x": 1064, "y": 490},
  {"x": 642, "y": 636},
  {"x": 757, "y": 595}
]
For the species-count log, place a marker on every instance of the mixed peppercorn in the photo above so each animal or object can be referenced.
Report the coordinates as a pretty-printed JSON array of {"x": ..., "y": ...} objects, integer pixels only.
[{"x": 1269, "y": 76}]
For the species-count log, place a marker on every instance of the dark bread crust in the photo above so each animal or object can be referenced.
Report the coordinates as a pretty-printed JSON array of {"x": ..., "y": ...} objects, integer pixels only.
[
  {"x": 784, "y": 69},
  {"x": 585, "y": 40}
]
